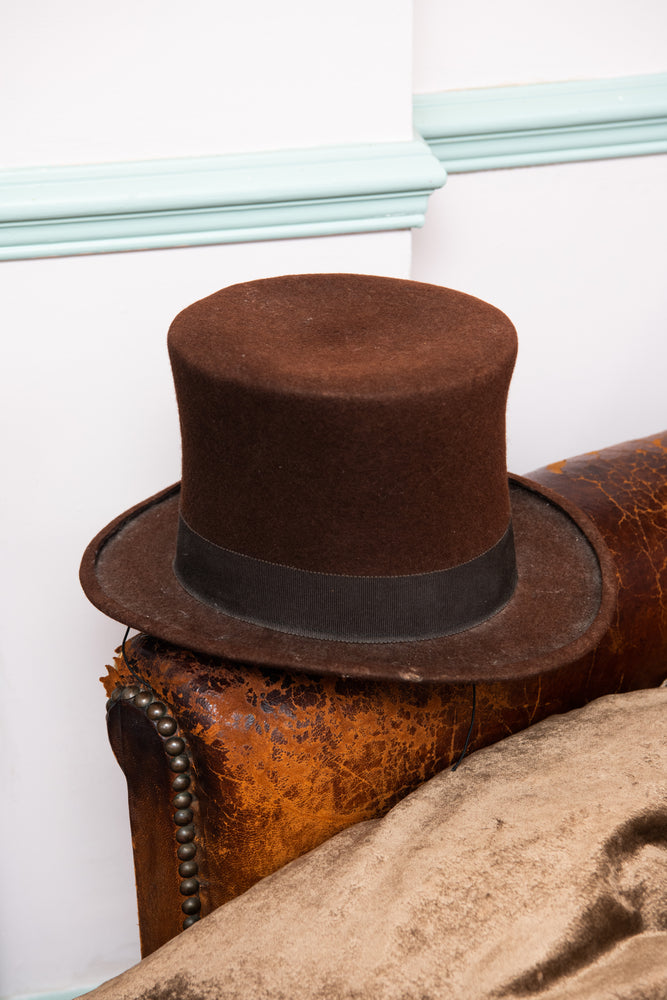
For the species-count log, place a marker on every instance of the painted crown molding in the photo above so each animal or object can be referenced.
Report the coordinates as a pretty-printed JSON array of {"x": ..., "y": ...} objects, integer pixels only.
[
  {"x": 61, "y": 210},
  {"x": 52, "y": 211},
  {"x": 545, "y": 123}
]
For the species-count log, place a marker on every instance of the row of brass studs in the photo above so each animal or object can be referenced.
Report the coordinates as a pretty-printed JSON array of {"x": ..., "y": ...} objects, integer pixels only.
[{"x": 179, "y": 761}]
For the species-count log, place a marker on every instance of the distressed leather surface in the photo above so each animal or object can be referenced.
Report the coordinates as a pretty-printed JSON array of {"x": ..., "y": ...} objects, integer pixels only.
[
  {"x": 624, "y": 490},
  {"x": 283, "y": 762},
  {"x": 138, "y": 749}
]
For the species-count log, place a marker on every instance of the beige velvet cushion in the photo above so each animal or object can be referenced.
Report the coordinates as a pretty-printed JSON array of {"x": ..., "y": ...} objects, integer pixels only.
[{"x": 537, "y": 869}]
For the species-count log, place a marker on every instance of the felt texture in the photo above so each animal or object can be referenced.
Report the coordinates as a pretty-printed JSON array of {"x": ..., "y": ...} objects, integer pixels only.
[
  {"x": 352, "y": 424},
  {"x": 344, "y": 423},
  {"x": 539, "y": 867}
]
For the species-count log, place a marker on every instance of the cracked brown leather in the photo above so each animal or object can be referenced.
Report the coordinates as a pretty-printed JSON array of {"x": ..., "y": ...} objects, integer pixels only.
[
  {"x": 138, "y": 749},
  {"x": 284, "y": 761}
]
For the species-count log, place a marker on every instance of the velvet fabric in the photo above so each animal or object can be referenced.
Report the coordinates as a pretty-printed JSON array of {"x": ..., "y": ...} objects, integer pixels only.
[
  {"x": 354, "y": 425},
  {"x": 537, "y": 869}
]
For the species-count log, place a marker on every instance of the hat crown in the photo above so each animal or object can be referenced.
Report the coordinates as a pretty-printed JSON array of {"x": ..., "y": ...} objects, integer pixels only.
[
  {"x": 344, "y": 424},
  {"x": 354, "y": 336}
]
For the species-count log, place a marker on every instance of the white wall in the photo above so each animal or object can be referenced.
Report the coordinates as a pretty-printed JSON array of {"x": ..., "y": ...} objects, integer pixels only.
[
  {"x": 483, "y": 43},
  {"x": 137, "y": 79},
  {"x": 574, "y": 254}
]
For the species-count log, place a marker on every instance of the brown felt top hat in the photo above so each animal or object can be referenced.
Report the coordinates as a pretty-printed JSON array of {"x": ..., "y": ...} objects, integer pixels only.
[{"x": 345, "y": 506}]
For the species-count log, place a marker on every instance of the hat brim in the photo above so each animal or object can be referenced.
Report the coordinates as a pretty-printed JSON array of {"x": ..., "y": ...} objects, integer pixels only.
[{"x": 562, "y": 606}]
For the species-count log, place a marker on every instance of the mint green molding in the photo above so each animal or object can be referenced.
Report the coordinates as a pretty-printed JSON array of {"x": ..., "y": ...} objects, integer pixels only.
[
  {"x": 545, "y": 123},
  {"x": 59, "y": 210}
]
